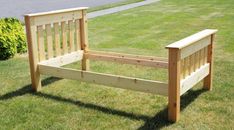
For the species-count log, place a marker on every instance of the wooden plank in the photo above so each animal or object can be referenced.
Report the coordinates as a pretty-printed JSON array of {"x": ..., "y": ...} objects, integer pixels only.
[
  {"x": 77, "y": 32},
  {"x": 174, "y": 85},
  {"x": 152, "y": 58},
  {"x": 57, "y": 16},
  {"x": 127, "y": 60},
  {"x": 192, "y": 59},
  {"x": 49, "y": 41},
  {"x": 64, "y": 37},
  {"x": 71, "y": 35},
  {"x": 197, "y": 57},
  {"x": 148, "y": 86},
  {"x": 194, "y": 78},
  {"x": 205, "y": 54},
  {"x": 192, "y": 39},
  {"x": 84, "y": 39},
  {"x": 201, "y": 57},
  {"x": 40, "y": 41},
  {"x": 194, "y": 47},
  {"x": 57, "y": 39},
  {"x": 33, "y": 53},
  {"x": 182, "y": 70},
  {"x": 208, "y": 79},
  {"x": 186, "y": 66},
  {"x": 64, "y": 59}
]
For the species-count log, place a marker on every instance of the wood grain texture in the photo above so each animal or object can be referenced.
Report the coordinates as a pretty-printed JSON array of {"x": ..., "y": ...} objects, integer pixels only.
[{"x": 174, "y": 85}]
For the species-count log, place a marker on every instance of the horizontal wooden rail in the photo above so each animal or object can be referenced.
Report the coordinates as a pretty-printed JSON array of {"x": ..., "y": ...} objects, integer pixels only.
[
  {"x": 148, "y": 86},
  {"x": 193, "y": 43},
  {"x": 152, "y": 58},
  {"x": 192, "y": 39},
  {"x": 194, "y": 78},
  {"x": 64, "y": 60},
  {"x": 56, "y": 16},
  {"x": 128, "y": 59}
]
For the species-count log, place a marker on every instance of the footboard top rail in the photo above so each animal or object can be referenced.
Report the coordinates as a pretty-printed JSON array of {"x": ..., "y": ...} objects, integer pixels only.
[{"x": 191, "y": 39}]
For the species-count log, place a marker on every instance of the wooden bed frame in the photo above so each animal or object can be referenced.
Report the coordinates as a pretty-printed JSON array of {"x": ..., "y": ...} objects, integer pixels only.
[{"x": 60, "y": 37}]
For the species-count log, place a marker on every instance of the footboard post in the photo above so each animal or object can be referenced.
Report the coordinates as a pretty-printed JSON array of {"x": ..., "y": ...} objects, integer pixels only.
[
  {"x": 174, "y": 85},
  {"x": 84, "y": 39},
  {"x": 207, "y": 83},
  {"x": 33, "y": 53}
]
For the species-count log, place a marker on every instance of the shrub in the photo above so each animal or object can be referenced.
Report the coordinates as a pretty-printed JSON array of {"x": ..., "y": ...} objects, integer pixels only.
[{"x": 12, "y": 38}]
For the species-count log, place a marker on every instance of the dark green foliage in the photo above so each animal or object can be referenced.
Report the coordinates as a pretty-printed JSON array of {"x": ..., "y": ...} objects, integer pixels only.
[{"x": 12, "y": 38}]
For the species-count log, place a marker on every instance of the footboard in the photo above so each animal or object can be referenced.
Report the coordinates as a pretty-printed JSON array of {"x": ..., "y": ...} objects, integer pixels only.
[{"x": 190, "y": 61}]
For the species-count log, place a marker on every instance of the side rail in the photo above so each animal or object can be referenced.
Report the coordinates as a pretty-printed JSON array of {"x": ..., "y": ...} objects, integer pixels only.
[{"x": 190, "y": 61}]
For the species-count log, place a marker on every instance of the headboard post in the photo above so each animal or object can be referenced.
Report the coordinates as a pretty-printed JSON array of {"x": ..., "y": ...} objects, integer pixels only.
[
  {"x": 84, "y": 39},
  {"x": 33, "y": 53}
]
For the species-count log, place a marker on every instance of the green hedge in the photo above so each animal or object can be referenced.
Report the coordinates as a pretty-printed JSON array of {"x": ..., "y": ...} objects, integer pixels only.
[{"x": 12, "y": 38}]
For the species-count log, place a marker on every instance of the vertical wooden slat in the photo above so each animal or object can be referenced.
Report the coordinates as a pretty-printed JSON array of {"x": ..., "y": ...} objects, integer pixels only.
[
  {"x": 192, "y": 68},
  {"x": 77, "y": 32},
  {"x": 33, "y": 53},
  {"x": 201, "y": 57},
  {"x": 64, "y": 36},
  {"x": 57, "y": 39},
  {"x": 186, "y": 66},
  {"x": 40, "y": 41},
  {"x": 49, "y": 41},
  {"x": 208, "y": 79},
  {"x": 197, "y": 55},
  {"x": 182, "y": 70},
  {"x": 84, "y": 39},
  {"x": 174, "y": 85},
  {"x": 71, "y": 35},
  {"x": 205, "y": 54}
]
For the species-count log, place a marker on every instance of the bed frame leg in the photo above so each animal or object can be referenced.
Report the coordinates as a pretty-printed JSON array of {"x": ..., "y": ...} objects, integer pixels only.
[
  {"x": 174, "y": 85},
  {"x": 207, "y": 84},
  {"x": 84, "y": 39},
  {"x": 33, "y": 54}
]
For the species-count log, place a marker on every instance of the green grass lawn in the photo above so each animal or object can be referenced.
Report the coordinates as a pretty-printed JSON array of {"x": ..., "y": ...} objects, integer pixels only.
[{"x": 69, "y": 104}]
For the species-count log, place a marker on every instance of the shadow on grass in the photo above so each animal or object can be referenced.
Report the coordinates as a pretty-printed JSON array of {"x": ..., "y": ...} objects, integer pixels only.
[{"x": 158, "y": 121}]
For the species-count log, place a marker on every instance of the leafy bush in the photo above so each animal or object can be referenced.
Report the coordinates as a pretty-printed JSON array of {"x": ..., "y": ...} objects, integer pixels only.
[{"x": 12, "y": 38}]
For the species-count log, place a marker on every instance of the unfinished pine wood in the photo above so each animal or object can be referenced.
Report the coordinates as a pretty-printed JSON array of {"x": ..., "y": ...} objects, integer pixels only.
[
  {"x": 64, "y": 59},
  {"x": 182, "y": 70},
  {"x": 33, "y": 53},
  {"x": 77, "y": 36},
  {"x": 49, "y": 41},
  {"x": 57, "y": 39},
  {"x": 186, "y": 66},
  {"x": 56, "y": 16},
  {"x": 127, "y": 60},
  {"x": 40, "y": 42},
  {"x": 205, "y": 54},
  {"x": 194, "y": 78},
  {"x": 208, "y": 79},
  {"x": 71, "y": 35},
  {"x": 84, "y": 39},
  {"x": 201, "y": 57},
  {"x": 192, "y": 39},
  {"x": 148, "y": 86},
  {"x": 197, "y": 59},
  {"x": 196, "y": 46},
  {"x": 64, "y": 37},
  {"x": 174, "y": 85},
  {"x": 152, "y": 58},
  {"x": 192, "y": 63}
]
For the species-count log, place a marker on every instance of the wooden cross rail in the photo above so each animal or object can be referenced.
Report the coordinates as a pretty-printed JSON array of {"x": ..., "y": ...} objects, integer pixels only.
[
  {"x": 128, "y": 59},
  {"x": 58, "y": 38}
]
